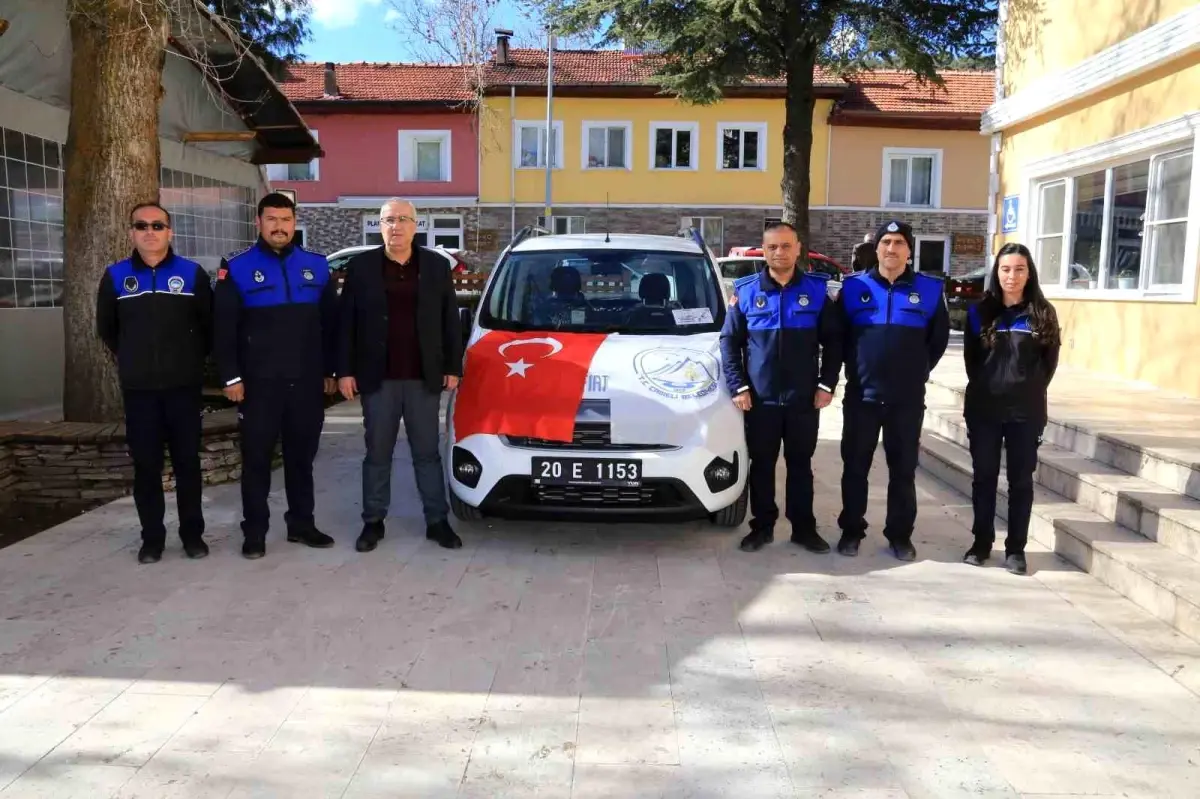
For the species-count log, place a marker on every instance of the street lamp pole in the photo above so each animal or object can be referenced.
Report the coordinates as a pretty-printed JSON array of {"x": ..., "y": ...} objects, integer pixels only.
[{"x": 550, "y": 143}]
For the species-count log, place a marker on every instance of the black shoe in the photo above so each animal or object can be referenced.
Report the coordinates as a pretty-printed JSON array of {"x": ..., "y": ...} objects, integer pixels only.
[
  {"x": 756, "y": 540},
  {"x": 369, "y": 538},
  {"x": 309, "y": 536},
  {"x": 1015, "y": 563},
  {"x": 254, "y": 548},
  {"x": 977, "y": 555},
  {"x": 811, "y": 541},
  {"x": 195, "y": 548},
  {"x": 848, "y": 545},
  {"x": 903, "y": 550},
  {"x": 149, "y": 553},
  {"x": 444, "y": 534}
]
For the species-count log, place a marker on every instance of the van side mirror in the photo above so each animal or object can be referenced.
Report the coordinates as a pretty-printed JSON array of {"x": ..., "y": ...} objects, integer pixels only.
[{"x": 465, "y": 320}]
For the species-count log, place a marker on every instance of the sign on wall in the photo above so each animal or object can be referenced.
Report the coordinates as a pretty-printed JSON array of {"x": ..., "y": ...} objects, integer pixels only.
[
  {"x": 968, "y": 244},
  {"x": 1010, "y": 215}
]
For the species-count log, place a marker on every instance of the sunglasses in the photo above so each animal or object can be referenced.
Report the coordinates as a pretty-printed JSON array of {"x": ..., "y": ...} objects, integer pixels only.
[{"x": 158, "y": 226}]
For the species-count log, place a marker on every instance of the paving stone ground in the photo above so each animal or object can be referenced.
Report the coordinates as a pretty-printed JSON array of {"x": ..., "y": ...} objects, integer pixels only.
[{"x": 576, "y": 660}]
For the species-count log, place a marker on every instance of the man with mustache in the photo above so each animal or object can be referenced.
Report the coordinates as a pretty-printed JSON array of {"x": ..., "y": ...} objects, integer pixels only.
[
  {"x": 400, "y": 347},
  {"x": 276, "y": 320}
]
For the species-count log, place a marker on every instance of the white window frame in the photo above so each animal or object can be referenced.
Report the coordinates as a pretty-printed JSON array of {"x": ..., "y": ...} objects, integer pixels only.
[
  {"x": 521, "y": 124},
  {"x": 693, "y": 128},
  {"x": 314, "y": 167},
  {"x": 1173, "y": 136},
  {"x": 585, "y": 143},
  {"x": 576, "y": 224},
  {"x": 908, "y": 153},
  {"x": 302, "y": 227},
  {"x": 945, "y": 240},
  {"x": 758, "y": 127},
  {"x": 432, "y": 231},
  {"x": 407, "y": 143}
]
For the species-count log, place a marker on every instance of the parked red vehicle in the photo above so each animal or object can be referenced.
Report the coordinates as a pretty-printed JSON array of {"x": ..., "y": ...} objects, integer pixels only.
[{"x": 820, "y": 262}]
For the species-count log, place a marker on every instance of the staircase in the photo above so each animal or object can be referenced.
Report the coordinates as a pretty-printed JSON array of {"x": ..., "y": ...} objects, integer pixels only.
[{"x": 1117, "y": 493}]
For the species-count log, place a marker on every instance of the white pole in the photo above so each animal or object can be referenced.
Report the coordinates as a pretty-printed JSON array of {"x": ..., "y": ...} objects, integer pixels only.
[{"x": 550, "y": 144}]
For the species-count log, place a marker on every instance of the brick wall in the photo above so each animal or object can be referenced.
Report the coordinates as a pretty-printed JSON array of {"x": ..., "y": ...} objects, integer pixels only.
[
  {"x": 328, "y": 229},
  {"x": 835, "y": 233},
  {"x": 65, "y": 463}
]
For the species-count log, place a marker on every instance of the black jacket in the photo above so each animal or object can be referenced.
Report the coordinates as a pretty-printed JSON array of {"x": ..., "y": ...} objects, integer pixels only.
[
  {"x": 276, "y": 315},
  {"x": 157, "y": 321},
  {"x": 1007, "y": 382},
  {"x": 363, "y": 337}
]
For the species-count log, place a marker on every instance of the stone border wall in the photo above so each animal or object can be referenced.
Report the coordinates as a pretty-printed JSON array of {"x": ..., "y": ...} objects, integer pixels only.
[{"x": 76, "y": 463}]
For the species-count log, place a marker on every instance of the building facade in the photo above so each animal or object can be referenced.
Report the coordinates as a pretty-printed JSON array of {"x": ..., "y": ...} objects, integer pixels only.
[
  {"x": 1094, "y": 141},
  {"x": 210, "y": 188},
  {"x": 388, "y": 130}
]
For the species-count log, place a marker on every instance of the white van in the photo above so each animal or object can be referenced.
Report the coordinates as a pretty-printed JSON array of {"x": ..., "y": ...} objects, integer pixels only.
[{"x": 656, "y": 435}]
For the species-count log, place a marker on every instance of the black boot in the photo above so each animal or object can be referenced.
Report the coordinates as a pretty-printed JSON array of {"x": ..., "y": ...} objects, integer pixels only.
[
  {"x": 309, "y": 536},
  {"x": 903, "y": 550},
  {"x": 195, "y": 548},
  {"x": 254, "y": 547},
  {"x": 848, "y": 545},
  {"x": 1015, "y": 563},
  {"x": 150, "y": 553},
  {"x": 810, "y": 540},
  {"x": 371, "y": 534},
  {"x": 978, "y": 554},
  {"x": 444, "y": 534},
  {"x": 756, "y": 540}
]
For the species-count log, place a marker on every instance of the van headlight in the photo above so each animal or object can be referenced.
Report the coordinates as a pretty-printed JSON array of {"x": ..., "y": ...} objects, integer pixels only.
[
  {"x": 466, "y": 467},
  {"x": 721, "y": 474}
]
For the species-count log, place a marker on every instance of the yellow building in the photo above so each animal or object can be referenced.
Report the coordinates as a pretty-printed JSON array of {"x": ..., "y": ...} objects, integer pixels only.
[
  {"x": 1094, "y": 142},
  {"x": 628, "y": 158}
]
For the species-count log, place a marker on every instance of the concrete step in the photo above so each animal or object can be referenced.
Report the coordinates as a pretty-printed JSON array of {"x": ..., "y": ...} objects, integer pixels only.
[
  {"x": 1167, "y": 463},
  {"x": 1132, "y": 502},
  {"x": 1152, "y": 576}
]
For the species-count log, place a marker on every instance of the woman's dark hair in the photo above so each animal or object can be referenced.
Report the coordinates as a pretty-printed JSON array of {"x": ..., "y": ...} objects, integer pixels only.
[{"x": 1042, "y": 318}]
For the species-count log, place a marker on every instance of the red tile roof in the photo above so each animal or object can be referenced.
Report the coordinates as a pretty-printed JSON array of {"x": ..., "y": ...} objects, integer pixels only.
[
  {"x": 380, "y": 82},
  {"x": 896, "y": 92},
  {"x": 599, "y": 68}
]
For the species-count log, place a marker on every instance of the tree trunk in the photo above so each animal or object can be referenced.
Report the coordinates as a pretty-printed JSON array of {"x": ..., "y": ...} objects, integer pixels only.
[
  {"x": 112, "y": 163},
  {"x": 798, "y": 139}
]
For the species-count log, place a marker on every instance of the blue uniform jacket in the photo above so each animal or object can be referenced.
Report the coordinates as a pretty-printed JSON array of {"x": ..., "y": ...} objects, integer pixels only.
[
  {"x": 275, "y": 315},
  {"x": 895, "y": 334},
  {"x": 774, "y": 336}
]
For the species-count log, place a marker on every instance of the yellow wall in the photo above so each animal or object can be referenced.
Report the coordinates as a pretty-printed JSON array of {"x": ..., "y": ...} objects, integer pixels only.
[
  {"x": 640, "y": 184},
  {"x": 1046, "y": 37},
  {"x": 856, "y": 164},
  {"x": 1149, "y": 341}
]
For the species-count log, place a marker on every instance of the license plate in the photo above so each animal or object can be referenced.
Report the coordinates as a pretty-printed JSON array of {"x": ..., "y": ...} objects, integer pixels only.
[{"x": 587, "y": 472}]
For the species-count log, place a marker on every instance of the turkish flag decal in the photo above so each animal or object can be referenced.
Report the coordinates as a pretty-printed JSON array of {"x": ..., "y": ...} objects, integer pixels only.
[{"x": 524, "y": 384}]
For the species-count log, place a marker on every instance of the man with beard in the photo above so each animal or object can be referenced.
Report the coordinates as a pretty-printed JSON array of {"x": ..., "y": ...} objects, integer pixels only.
[
  {"x": 897, "y": 328},
  {"x": 400, "y": 347},
  {"x": 276, "y": 319}
]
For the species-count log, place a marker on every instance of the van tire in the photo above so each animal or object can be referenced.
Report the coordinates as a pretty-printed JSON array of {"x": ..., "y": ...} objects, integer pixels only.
[
  {"x": 735, "y": 514},
  {"x": 462, "y": 511}
]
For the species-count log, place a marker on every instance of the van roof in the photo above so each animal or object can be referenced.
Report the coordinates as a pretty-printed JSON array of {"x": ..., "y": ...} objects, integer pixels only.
[{"x": 616, "y": 241}]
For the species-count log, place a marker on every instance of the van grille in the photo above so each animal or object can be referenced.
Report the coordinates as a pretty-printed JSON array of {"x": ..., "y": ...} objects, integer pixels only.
[{"x": 587, "y": 435}]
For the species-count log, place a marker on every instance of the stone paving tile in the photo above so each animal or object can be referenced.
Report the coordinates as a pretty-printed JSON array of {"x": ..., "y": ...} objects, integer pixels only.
[{"x": 577, "y": 661}]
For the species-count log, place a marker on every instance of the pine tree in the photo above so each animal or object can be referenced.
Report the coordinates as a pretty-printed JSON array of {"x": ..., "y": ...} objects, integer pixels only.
[{"x": 274, "y": 30}]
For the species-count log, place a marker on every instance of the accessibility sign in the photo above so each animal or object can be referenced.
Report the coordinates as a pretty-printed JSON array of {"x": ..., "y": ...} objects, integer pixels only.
[{"x": 1010, "y": 216}]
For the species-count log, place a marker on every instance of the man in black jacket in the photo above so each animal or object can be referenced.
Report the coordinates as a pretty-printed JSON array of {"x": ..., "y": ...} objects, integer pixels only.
[
  {"x": 400, "y": 346},
  {"x": 154, "y": 313}
]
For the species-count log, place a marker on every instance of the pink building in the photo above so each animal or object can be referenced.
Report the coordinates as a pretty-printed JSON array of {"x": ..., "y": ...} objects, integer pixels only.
[{"x": 388, "y": 130}]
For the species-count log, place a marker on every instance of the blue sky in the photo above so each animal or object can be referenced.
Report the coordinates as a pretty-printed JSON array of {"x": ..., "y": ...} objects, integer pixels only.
[{"x": 363, "y": 30}]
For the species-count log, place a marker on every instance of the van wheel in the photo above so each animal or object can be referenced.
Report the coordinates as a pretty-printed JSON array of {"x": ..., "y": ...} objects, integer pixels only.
[
  {"x": 735, "y": 514},
  {"x": 463, "y": 511}
]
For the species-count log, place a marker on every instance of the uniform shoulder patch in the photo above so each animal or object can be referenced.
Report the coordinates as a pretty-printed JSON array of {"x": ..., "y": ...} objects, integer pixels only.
[{"x": 745, "y": 280}]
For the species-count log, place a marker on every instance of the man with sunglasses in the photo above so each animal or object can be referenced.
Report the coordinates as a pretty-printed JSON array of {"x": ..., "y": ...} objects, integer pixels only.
[
  {"x": 400, "y": 347},
  {"x": 154, "y": 313},
  {"x": 276, "y": 319}
]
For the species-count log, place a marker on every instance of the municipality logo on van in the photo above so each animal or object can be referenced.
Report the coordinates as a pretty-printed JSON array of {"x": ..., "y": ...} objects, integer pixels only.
[{"x": 677, "y": 373}]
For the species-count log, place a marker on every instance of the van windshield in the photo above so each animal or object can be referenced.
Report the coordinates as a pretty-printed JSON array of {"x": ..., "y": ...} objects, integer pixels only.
[{"x": 613, "y": 291}]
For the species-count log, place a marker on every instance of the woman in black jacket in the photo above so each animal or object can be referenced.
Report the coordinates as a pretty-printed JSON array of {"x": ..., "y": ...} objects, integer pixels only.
[{"x": 1011, "y": 349}]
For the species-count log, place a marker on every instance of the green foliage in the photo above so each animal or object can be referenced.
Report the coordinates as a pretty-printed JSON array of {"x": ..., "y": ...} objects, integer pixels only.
[{"x": 273, "y": 29}]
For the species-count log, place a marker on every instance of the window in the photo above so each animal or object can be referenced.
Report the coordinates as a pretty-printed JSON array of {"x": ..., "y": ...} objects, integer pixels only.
[
  {"x": 425, "y": 155},
  {"x": 912, "y": 177},
  {"x": 529, "y": 145},
  {"x": 446, "y": 231},
  {"x": 210, "y": 218},
  {"x": 307, "y": 171},
  {"x": 742, "y": 145},
  {"x": 673, "y": 145},
  {"x": 31, "y": 221},
  {"x": 562, "y": 225},
  {"x": 299, "y": 239},
  {"x": 1126, "y": 230},
  {"x": 712, "y": 228},
  {"x": 607, "y": 145}
]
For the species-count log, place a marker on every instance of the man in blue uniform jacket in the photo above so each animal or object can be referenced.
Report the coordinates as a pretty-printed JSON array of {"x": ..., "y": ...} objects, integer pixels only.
[
  {"x": 897, "y": 328},
  {"x": 782, "y": 323},
  {"x": 154, "y": 313},
  {"x": 276, "y": 328}
]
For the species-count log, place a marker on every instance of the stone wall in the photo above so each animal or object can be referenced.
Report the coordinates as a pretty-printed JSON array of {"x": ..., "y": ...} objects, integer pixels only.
[
  {"x": 74, "y": 463},
  {"x": 328, "y": 229},
  {"x": 833, "y": 233}
]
